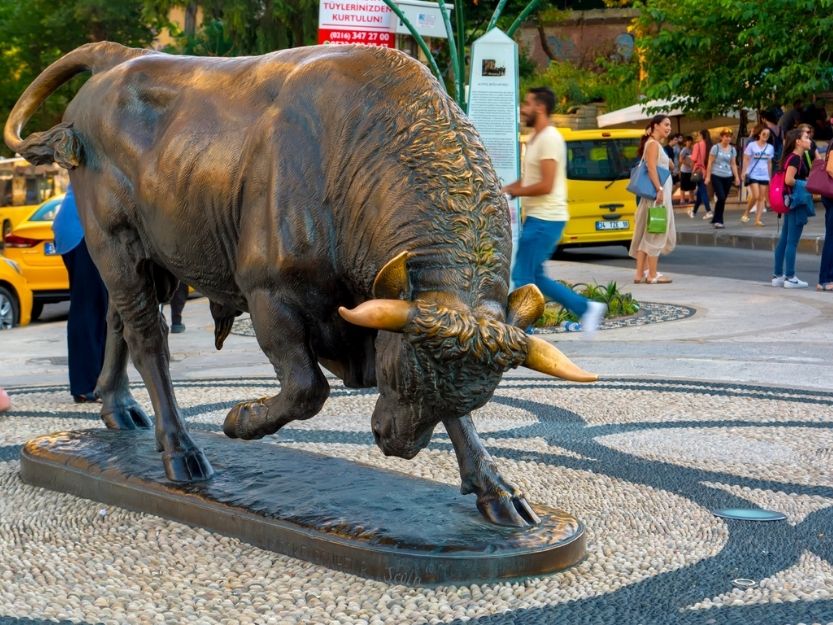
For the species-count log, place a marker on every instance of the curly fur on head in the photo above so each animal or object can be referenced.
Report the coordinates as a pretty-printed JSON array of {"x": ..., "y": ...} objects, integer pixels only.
[{"x": 449, "y": 335}]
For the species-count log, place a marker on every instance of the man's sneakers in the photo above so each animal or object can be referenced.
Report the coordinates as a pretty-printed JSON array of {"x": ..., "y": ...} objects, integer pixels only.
[
  {"x": 592, "y": 318},
  {"x": 794, "y": 283},
  {"x": 177, "y": 328},
  {"x": 778, "y": 281}
]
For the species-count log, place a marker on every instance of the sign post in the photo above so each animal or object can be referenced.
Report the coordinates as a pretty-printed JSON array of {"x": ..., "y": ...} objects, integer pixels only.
[{"x": 493, "y": 109}]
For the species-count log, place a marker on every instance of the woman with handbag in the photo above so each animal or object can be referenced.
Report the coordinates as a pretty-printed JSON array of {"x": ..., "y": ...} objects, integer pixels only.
[
  {"x": 757, "y": 171},
  {"x": 699, "y": 155},
  {"x": 800, "y": 204},
  {"x": 648, "y": 242},
  {"x": 721, "y": 171}
]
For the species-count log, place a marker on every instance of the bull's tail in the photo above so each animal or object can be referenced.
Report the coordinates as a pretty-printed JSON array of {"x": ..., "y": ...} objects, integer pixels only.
[{"x": 60, "y": 143}]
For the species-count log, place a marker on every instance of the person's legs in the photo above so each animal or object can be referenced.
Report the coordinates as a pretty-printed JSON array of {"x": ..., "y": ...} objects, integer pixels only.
[
  {"x": 551, "y": 232},
  {"x": 641, "y": 266},
  {"x": 752, "y": 190},
  {"x": 698, "y": 199},
  {"x": 781, "y": 248},
  {"x": 177, "y": 304},
  {"x": 761, "y": 205},
  {"x": 721, "y": 188},
  {"x": 792, "y": 248},
  {"x": 826, "y": 265},
  {"x": 87, "y": 323},
  {"x": 703, "y": 192}
]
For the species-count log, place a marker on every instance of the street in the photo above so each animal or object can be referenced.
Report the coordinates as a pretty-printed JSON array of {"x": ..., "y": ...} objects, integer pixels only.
[{"x": 717, "y": 262}]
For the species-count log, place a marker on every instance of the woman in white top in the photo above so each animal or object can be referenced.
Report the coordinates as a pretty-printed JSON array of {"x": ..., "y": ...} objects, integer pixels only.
[
  {"x": 645, "y": 246},
  {"x": 722, "y": 171},
  {"x": 757, "y": 171}
]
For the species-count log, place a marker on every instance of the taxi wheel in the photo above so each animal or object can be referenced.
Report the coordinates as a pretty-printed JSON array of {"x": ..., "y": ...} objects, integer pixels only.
[
  {"x": 9, "y": 309},
  {"x": 37, "y": 309}
]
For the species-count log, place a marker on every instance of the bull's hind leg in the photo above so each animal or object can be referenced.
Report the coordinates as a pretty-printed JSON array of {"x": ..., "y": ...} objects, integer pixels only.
[
  {"x": 498, "y": 500},
  {"x": 134, "y": 284},
  {"x": 283, "y": 337},
  {"x": 119, "y": 410}
]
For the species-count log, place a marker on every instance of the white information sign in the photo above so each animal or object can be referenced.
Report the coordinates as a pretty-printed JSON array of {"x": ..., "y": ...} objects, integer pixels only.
[
  {"x": 424, "y": 16},
  {"x": 493, "y": 109}
]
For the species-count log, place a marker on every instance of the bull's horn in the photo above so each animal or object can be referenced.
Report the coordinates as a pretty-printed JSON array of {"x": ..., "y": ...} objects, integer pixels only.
[
  {"x": 525, "y": 306},
  {"x": 379, "y": 314},
  {"x": 544, "y": 357},
  {"x": 392, "y": 281}
]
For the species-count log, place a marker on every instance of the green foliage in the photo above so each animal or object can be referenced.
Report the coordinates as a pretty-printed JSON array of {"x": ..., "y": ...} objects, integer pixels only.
[
  {"x": 37, "y": 32},
  {"x": 613, "y": 82},
  {"x": 241, "y": 27},
  {"x": 712, "y": 57},
  {"x": 619, "y": 304}
]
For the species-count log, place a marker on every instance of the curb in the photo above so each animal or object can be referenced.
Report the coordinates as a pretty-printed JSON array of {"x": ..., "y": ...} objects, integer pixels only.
[{"x": 722, "y": 239}]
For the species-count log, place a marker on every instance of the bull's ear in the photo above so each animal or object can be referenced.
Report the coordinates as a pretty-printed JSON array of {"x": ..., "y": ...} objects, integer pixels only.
[
  {"x": 392, "y": 281},
  {"x": 525, "y": 306},
  {"x": 379, "y": 314},
  {"x": 544, "y": 357}
]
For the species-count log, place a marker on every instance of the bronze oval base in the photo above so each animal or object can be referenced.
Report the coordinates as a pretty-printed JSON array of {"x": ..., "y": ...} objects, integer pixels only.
[{"x": 333, "y": 512}]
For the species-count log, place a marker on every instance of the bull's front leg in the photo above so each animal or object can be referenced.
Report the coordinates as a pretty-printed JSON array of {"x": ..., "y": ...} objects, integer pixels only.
[
  {"x": 283, "y": 336},
  {"x": 498, "y": 500}
]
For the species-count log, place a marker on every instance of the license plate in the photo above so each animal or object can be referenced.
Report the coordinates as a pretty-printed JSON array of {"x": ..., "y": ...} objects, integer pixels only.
[
  {"x": 49, "y": 248},
  {"x": 612, "y": 225}
]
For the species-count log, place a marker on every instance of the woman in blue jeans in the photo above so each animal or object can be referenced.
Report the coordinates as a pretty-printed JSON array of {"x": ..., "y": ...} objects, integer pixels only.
[{"x": 800, "y": 205}]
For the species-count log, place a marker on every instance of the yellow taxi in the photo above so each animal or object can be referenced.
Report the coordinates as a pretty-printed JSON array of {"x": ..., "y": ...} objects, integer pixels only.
[
  {"x": 15, "y": 296},
  {"x": 31, "y": 244},
  {"x": 598, "y": 169}
]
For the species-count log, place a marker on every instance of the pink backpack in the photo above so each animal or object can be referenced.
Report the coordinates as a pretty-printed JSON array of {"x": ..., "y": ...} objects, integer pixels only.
[{"x": 776, "y": 193}]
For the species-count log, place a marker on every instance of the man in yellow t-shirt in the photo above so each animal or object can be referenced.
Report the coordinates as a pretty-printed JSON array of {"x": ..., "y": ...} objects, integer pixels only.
[{"x": 543, "y": 187}]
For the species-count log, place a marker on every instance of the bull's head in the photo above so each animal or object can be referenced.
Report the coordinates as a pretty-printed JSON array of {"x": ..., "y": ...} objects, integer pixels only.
[{"x": 438, "y": 359}]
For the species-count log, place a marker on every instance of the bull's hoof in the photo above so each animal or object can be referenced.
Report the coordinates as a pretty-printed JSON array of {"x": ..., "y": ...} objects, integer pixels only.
[
  {"x": 248, "y": 420},
  {"x": 127, "y": 416},
  {"x": 187, "y": 466},
  {"x": 509, "y": 510}
]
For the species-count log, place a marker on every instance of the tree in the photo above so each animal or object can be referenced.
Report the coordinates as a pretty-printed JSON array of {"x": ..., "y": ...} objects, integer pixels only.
[
  {"x": 240, "y": 27},
  {"x": 708, "y": 58},
  {"x": 37, "y": 32}
]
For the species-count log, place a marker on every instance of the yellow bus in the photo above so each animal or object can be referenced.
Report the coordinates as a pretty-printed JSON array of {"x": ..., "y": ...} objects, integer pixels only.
[{"x": 23, "y": 186}]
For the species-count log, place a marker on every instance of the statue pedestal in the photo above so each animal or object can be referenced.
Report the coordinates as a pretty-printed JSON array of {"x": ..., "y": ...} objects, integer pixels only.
[{"x": 347, "y": 516}]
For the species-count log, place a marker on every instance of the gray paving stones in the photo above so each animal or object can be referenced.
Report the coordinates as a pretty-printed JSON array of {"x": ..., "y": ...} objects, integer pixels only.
[{"x": 641, "y": 462}]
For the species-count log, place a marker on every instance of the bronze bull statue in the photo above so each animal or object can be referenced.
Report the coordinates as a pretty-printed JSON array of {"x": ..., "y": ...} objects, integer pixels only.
[{"x": 340, "y": 197}]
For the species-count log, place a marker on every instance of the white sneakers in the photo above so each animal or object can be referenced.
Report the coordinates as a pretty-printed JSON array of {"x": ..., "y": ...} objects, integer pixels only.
[
  {"x": 794, "y": 283},
  {"x": 789, "y": 283},
  {"x": 592, "y": 317}
]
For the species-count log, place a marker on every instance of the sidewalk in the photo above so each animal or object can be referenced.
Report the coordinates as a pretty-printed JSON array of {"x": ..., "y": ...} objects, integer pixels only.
[
  {"x": 745, "y": 235},
  {"x": 730, "y": 407},
  {"x": 741, "y": 332}
]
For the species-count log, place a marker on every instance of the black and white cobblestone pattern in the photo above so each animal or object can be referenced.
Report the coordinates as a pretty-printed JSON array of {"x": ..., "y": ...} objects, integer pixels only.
[{"x": 641, "y": 462}]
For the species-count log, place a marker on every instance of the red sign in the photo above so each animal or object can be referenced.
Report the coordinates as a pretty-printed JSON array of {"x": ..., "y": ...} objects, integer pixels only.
[
  {"x": 372, "y": 38},
  {"x": 370, "y": 22}
]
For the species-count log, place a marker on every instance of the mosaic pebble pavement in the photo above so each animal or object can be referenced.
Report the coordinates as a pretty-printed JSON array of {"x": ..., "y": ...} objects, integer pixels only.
[{"x": 641, "y": 462}]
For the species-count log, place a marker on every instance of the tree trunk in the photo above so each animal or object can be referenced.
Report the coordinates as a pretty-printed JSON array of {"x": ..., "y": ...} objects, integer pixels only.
[
  {"x": 191, "y": 19},
  {"x": 545, "y": 46}
]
